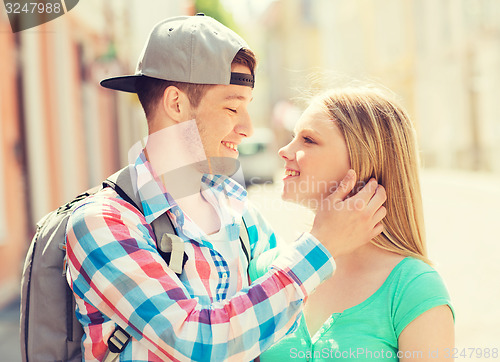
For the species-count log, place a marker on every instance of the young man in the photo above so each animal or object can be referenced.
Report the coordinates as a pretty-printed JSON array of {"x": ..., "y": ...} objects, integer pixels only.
[{"x": 195, "y": 81}]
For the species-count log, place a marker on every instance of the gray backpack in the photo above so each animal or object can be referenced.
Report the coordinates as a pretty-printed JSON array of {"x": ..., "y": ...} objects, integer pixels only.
[{"x": 50, "y": 330}]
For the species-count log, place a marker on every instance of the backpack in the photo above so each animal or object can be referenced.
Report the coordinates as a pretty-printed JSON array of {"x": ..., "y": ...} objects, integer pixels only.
[{"x": 50, "y": 330}]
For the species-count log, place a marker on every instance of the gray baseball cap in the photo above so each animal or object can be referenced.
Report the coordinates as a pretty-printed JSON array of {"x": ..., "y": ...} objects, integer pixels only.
[{"x": 189, "y": 49}]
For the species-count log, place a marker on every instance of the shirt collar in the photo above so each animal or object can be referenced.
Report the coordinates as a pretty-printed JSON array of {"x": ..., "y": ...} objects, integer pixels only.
[{"x": 156, "y": 200}]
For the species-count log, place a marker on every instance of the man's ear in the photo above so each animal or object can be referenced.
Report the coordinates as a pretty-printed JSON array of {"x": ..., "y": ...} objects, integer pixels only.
[{"x": 175, "y": 104}]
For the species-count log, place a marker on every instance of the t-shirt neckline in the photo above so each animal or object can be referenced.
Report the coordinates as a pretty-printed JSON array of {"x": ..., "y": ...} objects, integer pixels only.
[{"x": 335, "y": 316}]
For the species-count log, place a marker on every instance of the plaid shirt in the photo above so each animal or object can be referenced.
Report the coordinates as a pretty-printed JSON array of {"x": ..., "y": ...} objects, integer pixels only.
[{"x": 118, "y": 277}]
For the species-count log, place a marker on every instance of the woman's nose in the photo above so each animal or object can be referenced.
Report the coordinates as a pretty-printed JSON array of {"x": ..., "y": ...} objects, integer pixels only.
[{"x": 284, "y": 152}]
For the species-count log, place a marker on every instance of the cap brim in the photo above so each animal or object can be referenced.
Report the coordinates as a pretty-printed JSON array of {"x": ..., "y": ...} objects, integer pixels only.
[{"x": 124, "y": 83}]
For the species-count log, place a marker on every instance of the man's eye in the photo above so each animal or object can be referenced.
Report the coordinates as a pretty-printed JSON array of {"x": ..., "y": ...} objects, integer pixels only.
[{"x": 232, "y": 110}]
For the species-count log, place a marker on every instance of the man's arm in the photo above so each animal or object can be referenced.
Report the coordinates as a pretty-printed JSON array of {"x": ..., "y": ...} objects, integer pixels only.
[{"x": 114, "y": 266}]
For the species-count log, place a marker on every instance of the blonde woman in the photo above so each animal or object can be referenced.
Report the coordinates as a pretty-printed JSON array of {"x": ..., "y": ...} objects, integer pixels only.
[{"x": 385, "y": 301}]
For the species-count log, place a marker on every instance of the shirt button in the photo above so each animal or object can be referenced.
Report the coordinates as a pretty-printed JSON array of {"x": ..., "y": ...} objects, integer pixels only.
[
  {"x": 225, "y": 275},
  {"x": 177, "y": 212}
]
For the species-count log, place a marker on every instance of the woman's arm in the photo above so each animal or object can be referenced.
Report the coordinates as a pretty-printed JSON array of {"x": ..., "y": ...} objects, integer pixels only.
[{"x": 429, "y": 337}]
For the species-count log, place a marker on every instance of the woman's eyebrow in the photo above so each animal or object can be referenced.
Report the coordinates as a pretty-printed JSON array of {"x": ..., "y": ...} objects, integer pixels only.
[
  {"x": 311, "y": 130},
  {"x": 306, "y": 130}
]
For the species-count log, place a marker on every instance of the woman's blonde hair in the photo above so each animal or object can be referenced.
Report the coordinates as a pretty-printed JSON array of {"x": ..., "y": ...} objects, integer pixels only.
[{"x": 381, "y": 142}]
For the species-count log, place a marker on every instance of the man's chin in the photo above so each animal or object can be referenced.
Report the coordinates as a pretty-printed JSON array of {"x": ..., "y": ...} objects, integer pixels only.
[{"x": 219, "y": 166}]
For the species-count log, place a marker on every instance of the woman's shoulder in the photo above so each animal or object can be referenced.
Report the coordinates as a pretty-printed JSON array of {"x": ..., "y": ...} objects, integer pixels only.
[
  {"x": 415, "y": 274},
  {"x": 416, "y": 288},
  {"x": 411, "y": 267}
]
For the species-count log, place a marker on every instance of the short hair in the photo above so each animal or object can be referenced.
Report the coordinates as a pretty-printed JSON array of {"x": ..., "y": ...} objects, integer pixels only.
[{"x": 150, "y": 90}]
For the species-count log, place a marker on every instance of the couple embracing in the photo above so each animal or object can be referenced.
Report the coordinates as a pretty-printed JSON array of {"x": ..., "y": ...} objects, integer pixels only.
[{"x": 358, "y": 282}]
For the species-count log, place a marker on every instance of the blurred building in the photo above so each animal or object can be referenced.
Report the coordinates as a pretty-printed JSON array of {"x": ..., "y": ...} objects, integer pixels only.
[
  {"x": 60, "y": 132},
  {"x": 457, "y": 99},
  {"x": 13, "y": 219},
  {"x": 442, "y": 57}
]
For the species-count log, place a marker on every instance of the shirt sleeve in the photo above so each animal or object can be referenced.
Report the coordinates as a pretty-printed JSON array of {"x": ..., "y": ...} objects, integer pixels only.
[
  {"x": 419, "y": 294},
  {"x": 113, "y": 265},
  {"x": 260, "y": 233}
]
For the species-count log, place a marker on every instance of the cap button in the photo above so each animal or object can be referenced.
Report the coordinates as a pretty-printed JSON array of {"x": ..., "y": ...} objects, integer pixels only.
[{"x": 200, "y": 14}]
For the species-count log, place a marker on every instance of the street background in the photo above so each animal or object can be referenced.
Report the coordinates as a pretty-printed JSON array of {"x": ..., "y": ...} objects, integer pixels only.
[
  {"x": 60, "y": 133},
  {"x": 462, "y": 241}
]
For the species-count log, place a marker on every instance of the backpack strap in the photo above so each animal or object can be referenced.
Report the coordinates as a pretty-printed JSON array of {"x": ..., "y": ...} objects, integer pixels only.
[
  {"x": 169, "y": 245},
  {"x": 245, "y": 240},
  {"x": 121, "y": 182},
  {"x": 116, "y": 344}
]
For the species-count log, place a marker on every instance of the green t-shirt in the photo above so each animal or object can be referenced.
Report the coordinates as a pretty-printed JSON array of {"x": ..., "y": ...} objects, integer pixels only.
[{"x": 368, "y": 331}]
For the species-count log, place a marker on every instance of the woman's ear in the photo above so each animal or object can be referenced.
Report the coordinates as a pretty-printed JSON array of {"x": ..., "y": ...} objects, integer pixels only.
[{"x": 175, "y": 104}]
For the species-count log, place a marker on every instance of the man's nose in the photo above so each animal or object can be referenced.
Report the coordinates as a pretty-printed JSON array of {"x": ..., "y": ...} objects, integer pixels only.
[{"x": 245, "y": 126}]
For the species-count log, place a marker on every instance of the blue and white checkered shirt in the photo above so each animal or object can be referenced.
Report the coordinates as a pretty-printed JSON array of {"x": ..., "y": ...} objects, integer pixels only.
[{"x": 118, "y": 277}]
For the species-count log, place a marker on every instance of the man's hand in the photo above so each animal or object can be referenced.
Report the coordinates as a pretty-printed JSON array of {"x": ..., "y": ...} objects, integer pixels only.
[{"x": 343, "y": 225}]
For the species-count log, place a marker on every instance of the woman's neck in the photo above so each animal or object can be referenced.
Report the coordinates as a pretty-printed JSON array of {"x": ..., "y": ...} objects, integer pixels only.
[{"x": 364, "y": 259}]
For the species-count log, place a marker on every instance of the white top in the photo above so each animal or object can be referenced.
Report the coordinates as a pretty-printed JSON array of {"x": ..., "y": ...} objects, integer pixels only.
[{"x": 230, "y": 251}]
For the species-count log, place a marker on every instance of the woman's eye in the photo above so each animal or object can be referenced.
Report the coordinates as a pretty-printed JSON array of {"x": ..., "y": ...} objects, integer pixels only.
[
  {"x": 308, "y": 140},
  {"x": 232, "y": 110}
]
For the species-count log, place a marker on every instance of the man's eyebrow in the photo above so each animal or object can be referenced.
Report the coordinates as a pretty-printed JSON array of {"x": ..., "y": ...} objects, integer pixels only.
[{"x": 237, "y": 97}]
